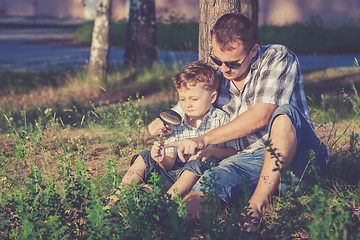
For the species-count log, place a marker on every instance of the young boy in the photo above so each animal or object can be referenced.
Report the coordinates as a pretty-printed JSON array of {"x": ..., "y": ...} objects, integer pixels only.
[{"x": 196, "y": 85}]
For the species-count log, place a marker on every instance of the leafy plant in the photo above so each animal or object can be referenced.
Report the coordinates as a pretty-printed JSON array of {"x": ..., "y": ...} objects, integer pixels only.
[{"x": 35, "y": 213}]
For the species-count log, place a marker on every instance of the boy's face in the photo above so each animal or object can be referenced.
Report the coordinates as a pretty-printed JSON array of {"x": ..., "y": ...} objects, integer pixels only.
[{"x": 196, "y": 100}]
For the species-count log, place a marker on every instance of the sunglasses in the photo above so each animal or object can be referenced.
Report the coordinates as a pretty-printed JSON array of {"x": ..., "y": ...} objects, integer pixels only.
[{"x": 232, "y": 64}]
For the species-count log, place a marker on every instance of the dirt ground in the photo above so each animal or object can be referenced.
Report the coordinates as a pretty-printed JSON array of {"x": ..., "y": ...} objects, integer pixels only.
[{"x": 96, "y": 149}]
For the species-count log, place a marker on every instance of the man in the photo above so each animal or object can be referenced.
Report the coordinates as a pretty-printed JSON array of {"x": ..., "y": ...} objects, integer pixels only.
[{"x": 261, "y": 88}]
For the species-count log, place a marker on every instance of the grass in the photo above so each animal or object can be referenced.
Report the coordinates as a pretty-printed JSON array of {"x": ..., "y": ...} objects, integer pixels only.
[
  {"x": 177, "y": 33},
  {"x": 64, "y": 152}
]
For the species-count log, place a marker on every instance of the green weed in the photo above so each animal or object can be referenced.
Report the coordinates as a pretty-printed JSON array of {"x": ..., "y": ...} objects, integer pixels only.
[{"x": 317, "y": 214}]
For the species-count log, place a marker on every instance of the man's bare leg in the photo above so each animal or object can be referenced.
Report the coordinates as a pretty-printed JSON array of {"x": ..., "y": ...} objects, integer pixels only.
[
  {"x": 183, "y": 185},
  {"x": 282, "y": 138}
]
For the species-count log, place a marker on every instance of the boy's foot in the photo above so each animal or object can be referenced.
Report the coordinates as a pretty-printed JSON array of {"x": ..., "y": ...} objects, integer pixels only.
[
  {"x": 112, "y": 201},
  {"x": 112, "y": 208}
]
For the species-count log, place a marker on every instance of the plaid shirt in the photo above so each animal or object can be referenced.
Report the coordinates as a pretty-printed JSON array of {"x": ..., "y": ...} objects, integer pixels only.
[
  {"x": 274, "y": 78},
  {"x": 213, "y": 119}
]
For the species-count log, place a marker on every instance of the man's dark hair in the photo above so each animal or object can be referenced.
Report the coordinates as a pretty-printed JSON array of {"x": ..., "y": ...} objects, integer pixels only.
[
  {"x": 194, "y": 73},
  {"x": 234, "y": 27}
]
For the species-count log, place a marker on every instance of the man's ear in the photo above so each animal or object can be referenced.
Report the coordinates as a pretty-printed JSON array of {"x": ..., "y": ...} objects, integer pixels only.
[
  {"x": 214, "y": 96},
  {"x": 254, "y": 50}
]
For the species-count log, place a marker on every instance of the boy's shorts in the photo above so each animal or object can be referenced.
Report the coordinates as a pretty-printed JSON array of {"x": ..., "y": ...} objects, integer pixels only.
[{"x": 169, "y": 177}]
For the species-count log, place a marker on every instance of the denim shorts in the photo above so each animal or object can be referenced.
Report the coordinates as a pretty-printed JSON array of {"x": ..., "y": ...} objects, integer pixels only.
[
  {"x": 239, "y": 174},
  {"x": 168, "y": 178}
]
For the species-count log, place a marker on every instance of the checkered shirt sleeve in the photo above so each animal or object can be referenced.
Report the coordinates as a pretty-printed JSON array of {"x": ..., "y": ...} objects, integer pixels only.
[{"x": 214, "y": 118}]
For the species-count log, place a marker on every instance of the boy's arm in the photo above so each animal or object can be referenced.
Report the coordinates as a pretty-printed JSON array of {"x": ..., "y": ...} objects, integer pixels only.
[
  {"x": 169, "y": 161},
  {"x": 157, "y": 127},
  {"x": 216, "y": 152},
  {"x": 224, "y": 152}
]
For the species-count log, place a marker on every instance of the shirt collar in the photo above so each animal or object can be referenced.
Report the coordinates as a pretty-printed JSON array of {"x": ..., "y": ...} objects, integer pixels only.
[
  {"x": 208, "y": 114},
  {"x": 256, "y": 60}
]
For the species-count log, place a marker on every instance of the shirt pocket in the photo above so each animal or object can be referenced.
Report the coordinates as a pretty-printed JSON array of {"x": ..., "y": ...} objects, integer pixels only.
[{"x": 248, "y": 99}]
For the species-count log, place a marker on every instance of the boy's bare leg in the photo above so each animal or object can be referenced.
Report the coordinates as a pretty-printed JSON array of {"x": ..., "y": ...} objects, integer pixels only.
[
  {"x": 183, "y": 185},
  {"x": 135, "y": 173}
]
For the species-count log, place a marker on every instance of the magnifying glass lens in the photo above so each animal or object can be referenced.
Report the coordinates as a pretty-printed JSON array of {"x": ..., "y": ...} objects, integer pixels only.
[{"x": 170, "y": 117}]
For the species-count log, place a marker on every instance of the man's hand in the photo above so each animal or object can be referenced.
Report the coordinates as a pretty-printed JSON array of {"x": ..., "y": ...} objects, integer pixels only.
[
  {"x": 187, "y": 146},
  {"x": 202, "y": 155},
  {"x": 258, "y": 205},
  {"x": 157, "y": 127},
  {"x": 257, "y": 208}
]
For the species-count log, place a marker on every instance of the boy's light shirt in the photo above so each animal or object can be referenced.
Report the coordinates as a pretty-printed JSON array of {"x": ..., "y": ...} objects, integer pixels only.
[{"x": 214, "y": 118}]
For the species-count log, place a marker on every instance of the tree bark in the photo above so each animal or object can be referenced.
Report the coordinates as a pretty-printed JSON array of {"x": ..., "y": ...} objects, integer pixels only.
[
  {"x": 98, "y": 64},
  {"x": 250, "y": 9},
  {"x": 211, "y": 10},
  {"x": 140, "y": 46}
]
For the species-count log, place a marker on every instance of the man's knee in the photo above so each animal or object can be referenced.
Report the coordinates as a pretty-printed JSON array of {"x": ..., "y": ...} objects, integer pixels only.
[
  {"x": 283, "y": 121},
  {"x": 282, "y": 126},
  {"x": 282, "y": 135}
]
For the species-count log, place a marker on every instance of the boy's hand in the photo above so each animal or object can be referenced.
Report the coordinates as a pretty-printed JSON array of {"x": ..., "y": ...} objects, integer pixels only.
[
  {"x": 202, "y": 155},
  {"x": 187, "y": 146},
  {"x": 158, "y": 152},
  {"x": 157, "y": 127}
]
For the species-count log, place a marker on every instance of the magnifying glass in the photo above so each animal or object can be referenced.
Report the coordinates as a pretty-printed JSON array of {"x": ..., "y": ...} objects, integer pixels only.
[{"x": 170, "y": 117}]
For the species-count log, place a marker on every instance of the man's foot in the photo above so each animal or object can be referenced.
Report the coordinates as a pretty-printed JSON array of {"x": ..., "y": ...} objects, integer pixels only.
[{"x": 252, "y": 225}]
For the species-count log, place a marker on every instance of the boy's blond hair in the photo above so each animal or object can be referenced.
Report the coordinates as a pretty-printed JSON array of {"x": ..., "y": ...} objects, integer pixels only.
[{"x": 194, "y": 73}]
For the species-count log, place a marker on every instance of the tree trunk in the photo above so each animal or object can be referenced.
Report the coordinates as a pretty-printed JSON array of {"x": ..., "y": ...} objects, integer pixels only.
[
  {"x": 140, "y": 46},
  {"x": 250, "y": 9},
  {"x": 211, "y": 10},
  {"x": 98, "y": 64}
]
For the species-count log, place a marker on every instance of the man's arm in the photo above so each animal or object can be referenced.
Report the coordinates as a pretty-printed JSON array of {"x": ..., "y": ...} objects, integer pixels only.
[{"x": 248, "y": 122}]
